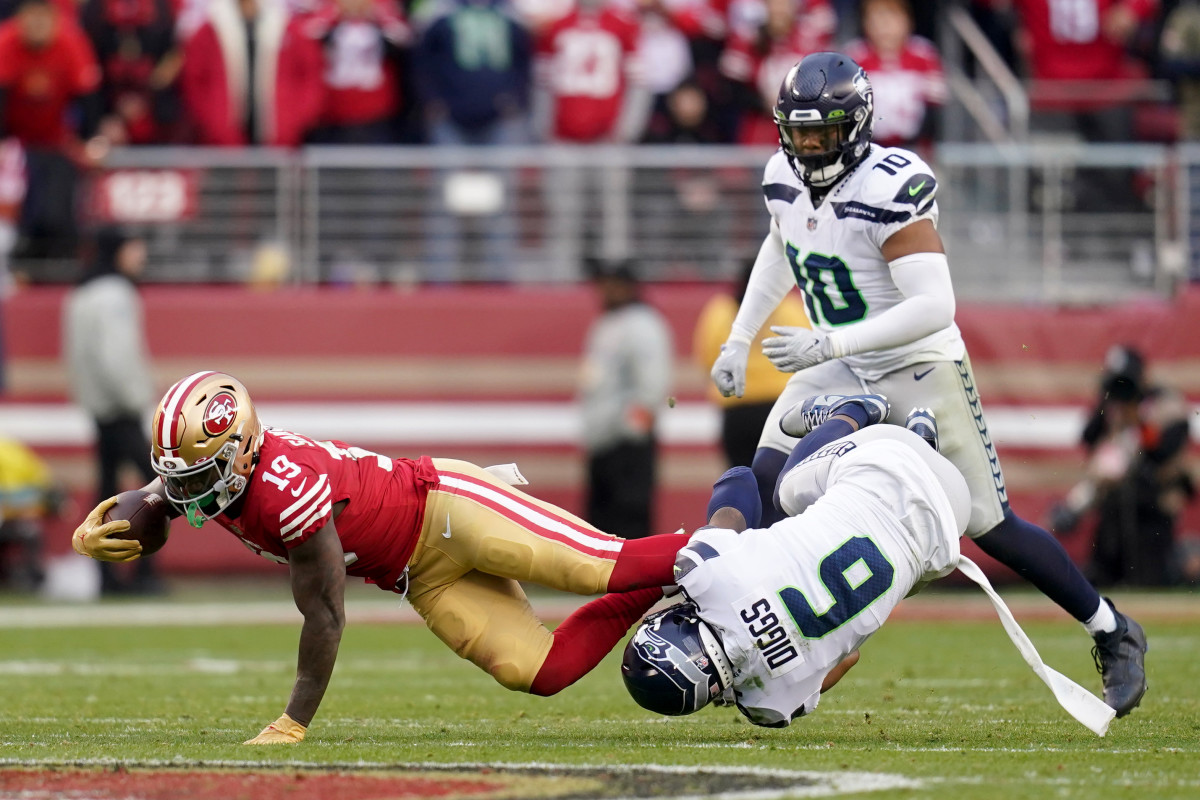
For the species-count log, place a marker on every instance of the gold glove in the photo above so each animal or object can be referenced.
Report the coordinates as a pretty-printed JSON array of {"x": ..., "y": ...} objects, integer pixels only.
[
  {"x": 284, "y": 730},
  {"x": 92, "y": 537}
]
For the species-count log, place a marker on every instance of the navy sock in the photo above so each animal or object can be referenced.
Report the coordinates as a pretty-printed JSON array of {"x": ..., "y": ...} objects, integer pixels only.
[
  {"x": 767, "y": 465},
  {"x": 737, "y": 489},
  {"x": 1037, "y": 557},
  {"x": 854, "y": 411}
]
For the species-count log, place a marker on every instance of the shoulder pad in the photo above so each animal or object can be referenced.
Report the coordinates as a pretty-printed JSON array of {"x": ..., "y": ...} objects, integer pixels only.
[
  {"x": 779, "y": 182},
  {"x": 898, "y": 179}
]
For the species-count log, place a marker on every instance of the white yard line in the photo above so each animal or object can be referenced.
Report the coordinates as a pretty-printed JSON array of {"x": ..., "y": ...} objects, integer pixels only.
[{"x": 794, "y": 783}]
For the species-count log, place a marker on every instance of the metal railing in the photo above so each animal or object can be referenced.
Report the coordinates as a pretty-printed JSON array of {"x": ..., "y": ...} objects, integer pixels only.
[
  {"x": 1031, "y": 223},
  {"x": 996, "y": 101}
]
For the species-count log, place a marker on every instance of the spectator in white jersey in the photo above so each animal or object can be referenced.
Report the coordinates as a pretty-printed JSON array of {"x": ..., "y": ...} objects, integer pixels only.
[
  {"x": 854, "y": 225},
  {"x": 877, "y": 514}
]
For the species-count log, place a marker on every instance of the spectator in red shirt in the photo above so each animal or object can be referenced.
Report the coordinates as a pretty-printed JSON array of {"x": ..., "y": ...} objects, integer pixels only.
[
  {"x": 243, "y": 47},
  {"x": 1083, "y": 39},
  {"x": 589, "y": 92},
  {"x": 905, "y": 71},
  {"x": 757, "y": 61},
  {"x": 361, "y": 42},
  {"x": 135, "y": 43},
  {"x": 1086, "y": 41},
  {"x": 46, "y": 66},
  {"x": 586, "y": 65}
]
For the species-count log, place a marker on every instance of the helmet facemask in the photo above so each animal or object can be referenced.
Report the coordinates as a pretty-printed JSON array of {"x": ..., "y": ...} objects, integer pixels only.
[
  {"x": 822, "y": 152},
  {"x": 206, "y": 488}
]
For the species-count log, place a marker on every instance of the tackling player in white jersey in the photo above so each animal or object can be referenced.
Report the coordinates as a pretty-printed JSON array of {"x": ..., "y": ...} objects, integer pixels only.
[
  {"x": 775, "y": 616},
  {"x": 854, "y": 225}
]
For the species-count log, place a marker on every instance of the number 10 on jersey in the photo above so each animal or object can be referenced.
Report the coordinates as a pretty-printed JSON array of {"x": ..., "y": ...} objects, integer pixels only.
[{"x": 826, "y": 282}]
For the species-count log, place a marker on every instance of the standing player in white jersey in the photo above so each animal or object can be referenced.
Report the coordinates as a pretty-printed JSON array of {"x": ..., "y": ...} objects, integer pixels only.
[
  {"x": 854, "y": 226},
  {"x": 776, "y": 616}
]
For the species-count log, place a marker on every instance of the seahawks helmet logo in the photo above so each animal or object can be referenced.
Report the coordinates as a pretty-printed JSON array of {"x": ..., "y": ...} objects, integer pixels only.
[{"x": 862, "y": 85}]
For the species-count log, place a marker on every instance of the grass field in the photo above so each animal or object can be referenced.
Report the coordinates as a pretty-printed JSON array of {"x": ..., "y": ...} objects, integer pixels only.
[{"x": 947, "y": 704}]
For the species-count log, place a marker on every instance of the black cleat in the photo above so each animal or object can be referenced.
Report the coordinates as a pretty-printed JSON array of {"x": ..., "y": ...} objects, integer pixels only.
[{"x": 1120, "y": 659}]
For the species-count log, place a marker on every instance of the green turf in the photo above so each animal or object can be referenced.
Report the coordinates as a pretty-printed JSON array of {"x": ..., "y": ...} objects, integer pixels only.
[{"x": 949, "y": 703}]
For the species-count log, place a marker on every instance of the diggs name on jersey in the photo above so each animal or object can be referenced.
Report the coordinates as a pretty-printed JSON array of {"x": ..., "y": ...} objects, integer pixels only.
[{"x": 770, "y": 636}]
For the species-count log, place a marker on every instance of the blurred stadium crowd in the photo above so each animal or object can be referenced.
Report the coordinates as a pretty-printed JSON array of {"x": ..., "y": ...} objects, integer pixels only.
[{"x": 81, "y": 77}]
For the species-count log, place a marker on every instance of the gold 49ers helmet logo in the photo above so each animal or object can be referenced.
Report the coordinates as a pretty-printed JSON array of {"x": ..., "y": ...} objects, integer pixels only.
[{"x": 219, "y": 413}]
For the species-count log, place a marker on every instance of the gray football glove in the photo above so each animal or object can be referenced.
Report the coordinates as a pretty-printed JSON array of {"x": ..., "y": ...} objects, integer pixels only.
[
  {"x": 729, "y": 371},
  {"x": 795, "y": 349}
]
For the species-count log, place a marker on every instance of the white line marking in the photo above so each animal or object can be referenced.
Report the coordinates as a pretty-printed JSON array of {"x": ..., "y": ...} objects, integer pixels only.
[{"x": 807, "y": 783}]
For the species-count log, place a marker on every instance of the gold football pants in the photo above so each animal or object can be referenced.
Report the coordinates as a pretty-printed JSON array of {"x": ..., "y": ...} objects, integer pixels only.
[{"x": 478, "y": 538}]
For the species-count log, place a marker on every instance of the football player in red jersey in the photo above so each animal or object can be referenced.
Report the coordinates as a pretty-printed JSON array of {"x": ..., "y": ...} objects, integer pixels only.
[{"x": 447, "y": 533}]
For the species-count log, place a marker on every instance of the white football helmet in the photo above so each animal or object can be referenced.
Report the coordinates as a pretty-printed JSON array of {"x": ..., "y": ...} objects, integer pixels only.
[{"x": 205, "y": 440}]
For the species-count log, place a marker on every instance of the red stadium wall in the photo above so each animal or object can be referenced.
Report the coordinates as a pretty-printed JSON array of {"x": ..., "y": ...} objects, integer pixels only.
[{"x": 340, "y": 346}]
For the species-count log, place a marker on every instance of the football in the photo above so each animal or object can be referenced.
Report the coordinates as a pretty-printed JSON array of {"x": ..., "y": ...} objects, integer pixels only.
[{"x": 148, "y": 515}]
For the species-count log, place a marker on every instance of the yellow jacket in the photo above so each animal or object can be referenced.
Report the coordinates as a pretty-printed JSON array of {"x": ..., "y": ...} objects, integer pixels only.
[
  {"x": 24, "y": 480},
  {"x": 763, "y": 382}
]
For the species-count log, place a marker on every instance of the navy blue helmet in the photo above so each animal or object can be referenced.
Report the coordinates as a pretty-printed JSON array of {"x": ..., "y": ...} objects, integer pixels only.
[
  {"x": 825, "y": 114},
  {"x": 674, "y": 664}
]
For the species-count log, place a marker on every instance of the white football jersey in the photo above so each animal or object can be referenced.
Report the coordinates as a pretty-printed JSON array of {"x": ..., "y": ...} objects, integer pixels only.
[
  {"x": 791, "y": 601},
  {"x": 835, "y": 251}
]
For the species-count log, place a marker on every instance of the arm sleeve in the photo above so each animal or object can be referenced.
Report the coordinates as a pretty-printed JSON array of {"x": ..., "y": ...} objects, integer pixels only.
[
  {"x": 928, "y": 307},
  {"x": 770, "y": 281}
]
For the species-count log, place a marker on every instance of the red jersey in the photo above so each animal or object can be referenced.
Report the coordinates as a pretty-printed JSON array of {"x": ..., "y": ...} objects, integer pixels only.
[
  {"x": 298, "y": 480},
  {"x": 904, "y": 86},
  {"x": 362, "y": 83},
  {"x": 586, "y": 61},
  {"x": 1067, "y": 40},
  {"x": 42, "y": 83}
]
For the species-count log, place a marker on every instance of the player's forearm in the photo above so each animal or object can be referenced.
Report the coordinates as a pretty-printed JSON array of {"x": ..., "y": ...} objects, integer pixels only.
[
  {"x": 770, "y": 281},
  {"x": 839, "y": 672},
  {"x": 319, "y": 641},
  {"x": 318, "y": 586},
  {"x": 928, "y": 307}
]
